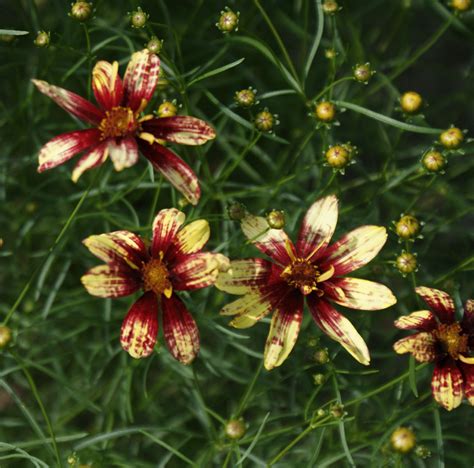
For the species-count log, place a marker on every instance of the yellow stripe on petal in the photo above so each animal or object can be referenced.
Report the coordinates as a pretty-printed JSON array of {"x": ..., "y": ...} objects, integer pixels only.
[
  {"x": 165, "y": 227},
  {"x": 196, "y": 271},
  {"x": 421, "y": 345},
  {"x": 109, "y": 281},
  {"x": 439, "y": 302},
  {"x": 107, "y": 85},
  {"x": 421, "y": 320},
  {"x": 192, "y": 237},
  {"x": 363, "y": 294},
  {"x": 447, "y": 385},
  {"x": 93, "y": 158},
  {"x": 244, "y": 276},
  {"x": 284, "y": 330}
]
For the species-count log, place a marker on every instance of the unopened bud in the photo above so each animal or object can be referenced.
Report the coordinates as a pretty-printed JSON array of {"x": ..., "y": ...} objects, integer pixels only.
[
  {"x": 235, "y": 429},
  {"x": 363, "y": 72},
  {"x": 138, "y": 18},
  {"x": 42, "y": 39},
  {"x": 81, "y": 11},
  {"x": 276, "y": 219},
  {"x": 433, "y": 161},
  {"x": 245, "y": 97},
  {"x": 325, "y": 111},
  {"x": 330, "y": 7},
  {"x": 411, "y": 102},
  {"x": 154, "y": 45},
  {"x": 406, "y": 263},
  {"x": 403, "y": 440},
  {"x": 319, "y": 379},
  {"x": 228, "y": 21},
  {"x": 407, "y": 227},
  {"x": 167, "y": 109},
  {"x": 5, "y": 336},
  {"x": 451, "y": 138},
  {"x": 321, "y": 356},
  {"x": 264, "y": 121},
  {"x": 236, "y": 211}
]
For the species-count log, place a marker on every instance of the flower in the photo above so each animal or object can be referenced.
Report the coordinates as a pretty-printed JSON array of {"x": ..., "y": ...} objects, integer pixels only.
[
  {"x": 443, "y": 340},
  {"x": 310, "y": 269},
  {"x": 173, "y": 262},
  {"x": 118, "y": 129}
]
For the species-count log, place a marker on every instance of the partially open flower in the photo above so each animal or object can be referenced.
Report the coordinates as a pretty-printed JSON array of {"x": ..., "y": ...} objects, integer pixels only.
[
  {"x": 42, "y": 39},
  {"x": 173, "y": 262},
  {"x": 444, "y": 341},
  {"x": 411, "y": 102},
  {"x": 451, "y": 138},
  {"x": 311, "y": 269},
  {"x": 403, "y": 440},
  {"x": 81, "y": 11}
]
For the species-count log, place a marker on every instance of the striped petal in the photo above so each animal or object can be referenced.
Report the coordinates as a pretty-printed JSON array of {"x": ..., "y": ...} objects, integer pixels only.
[
  {"x": 140, "y": 79},
  {"x": 192, "y": 237},
  {"x": 357, "y": 293},
  {"x": 174, "y": 169},
  {"x": 195, "y": 271},
  {"x": 467, "y": 322},
  {"x": 165, "y": 227},
  {"x": 439, "y": 302},
  {"x": 118, "y": 248},
  {"x": 107, "y": 85},
  {"x": 110, "y": 281},
  {"x": 419, "y": 320},
  {"x": 447, "y": 384},
  {"x": 421, "y": 345},
  {"x": 355, "y": 249},
  {"x": 71, "y": 102},
  {"x": 338, "y": 327},
  {"x": 63, "y": 147},
  {"x": 180, "y": 329},
  {"x": 93, "y": 158},
  {"x": 140, "y": 327},
  {"x": 273, "y": 242},
  {"x": 284, "y": 330},
  {"x": 180, "y": 129},
  {"x": 318, "y": 226},
  {"x": 123, "y": 152},
  {"x": 468, "y": 377},
  {"x": 244, "y": 276}
]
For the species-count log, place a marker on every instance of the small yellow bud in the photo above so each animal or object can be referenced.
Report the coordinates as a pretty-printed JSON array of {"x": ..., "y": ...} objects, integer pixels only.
[
  {"x": 338, "y": 156},
  {"x": 330, "y": 7},
  {"x": 422, "y": 451},
  {"x": 319, "y": 379},
  {"x": 276, "y": 219},
  {"x": 138, "y": 18},
  {"x": 362, "y": 73},
  {"x": 5, "y": 336},
  {"x": 81, "y": 11},
  {"x": 154, "y": 45},
  {"x": 403, "y": 440},
  {"x": 42, "y": 39},
  {"x": 167, "y": 109},
  {"x": 236, "y": 211},
  {"x": 337, "y": 410},
  {"x": 245, "y": 97},
  {"x": 228, "y": 21},
  {"x": 407, "y": 227},
  {"x": 330, "y": 53},
  {"x": 406, "y": 263},
  {"x": 321, "y": 356},
  {"x": 264, "y": 121},
  {"x": 235, "y": 429},
  {"x": 411, "y": 102},
  {"x": 433, "y": 161},
  {"x": 325, "y": 111},
  {"x": 451, "y": 138},
  {"x": 460, "y": 5}
]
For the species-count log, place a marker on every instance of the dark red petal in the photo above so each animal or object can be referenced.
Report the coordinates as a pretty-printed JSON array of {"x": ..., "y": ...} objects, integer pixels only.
[
  {"x": 107, "y": 85},
  {"x": 93, "y": 158},
  {"x": 180, "y": 329},
  {"x": 439, "y": 302},
  {"x": 195, "y": 271},
  {"x": 111, "y": 281},
  {"x": 174, "y": 169},
  {"x": 71, "y": 102},
  {"x": 468, "y": 374},
  {"x": 165, "y": 227},
  {"x": 140, "y": 327}
]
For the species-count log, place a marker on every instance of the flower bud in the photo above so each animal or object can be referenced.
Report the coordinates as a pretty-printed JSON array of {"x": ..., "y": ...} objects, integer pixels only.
[
  {"x": 264, "y": 121},
  {"x": 81, "y": 11},
  {"x": 406, "y": 263},
  {"x": 235, "y": 429},
  {"x": 338, "y": 156},
  {"x": 330, "y": 7},
  {"x": 451, "y": 138},
  {"x": 319, "y": 379},
  {"x": 154, "y": 45},
  {"x": 422, "y": 451},
  {"x": 1, "y": 242},
  {"x": 407, "y": 227},
  {"x": 138, "y": 18},
  {"x": 245, "y": 97},
  {"x": 460, "y": 5},
  {"x": 411, "y": 102},
  {"x": 167, "y": 109},
  {"x": 228, "y": 21},
  {"x": 321, "y": 413},
  {"x": 42, "y": 39},
  {"x": 337, "y": 410},
  {"x": 276, "y": 219},
  {"x": 5, "y": 336},
  {"x": 321, "y": 356},
  {"x": 362, "y": 73},
  {"x": 330, "y": 53},
  {"x": 325, "y": 111},
  {"x": 236, "y": 211},
  {"x": 183, "y": 202},
  {"x": 403, "y": 440},
  {"x": 433, "y": 161}
]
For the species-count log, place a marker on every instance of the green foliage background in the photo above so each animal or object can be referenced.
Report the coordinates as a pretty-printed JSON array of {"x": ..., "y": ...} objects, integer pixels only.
[{"x": 65, "y": 384}]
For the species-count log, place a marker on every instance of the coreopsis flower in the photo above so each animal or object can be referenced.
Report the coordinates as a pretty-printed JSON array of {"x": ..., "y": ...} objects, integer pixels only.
[
  {"x": 118, "y": 129},
  {"x": 444, "y": 341},
  {"x": 311, "y": 269},
  {"x": 173, "y": 262}
]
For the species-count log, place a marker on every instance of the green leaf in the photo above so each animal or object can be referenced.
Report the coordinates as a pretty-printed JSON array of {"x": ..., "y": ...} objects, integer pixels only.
[
  {"x": 412, "y": 375},
  {"x": 317, "y": 39},
  {"x": 13, "y": 32},
  {"x": 216, "y": 71}
]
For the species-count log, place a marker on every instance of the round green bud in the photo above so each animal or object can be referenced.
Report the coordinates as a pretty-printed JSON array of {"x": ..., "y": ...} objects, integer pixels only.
[
  {"x": 362, "y": 73},
  {"x": 422, "y": 451},
  {"x": 325, "y": 111},
  {"x": 42, "y": 39},
  {"x": 406, "y": 263},
  {"x": 330, "y": 53},
  {"x": 236, "y": 211},
  {"x": 451, "y": 138},
  {"x": 407, "y": 227},
  {"x": 245, "y": 97},
  {"x": 433, "y": 161},
  {"x": 403, "y": 440},
  {"x": 276, "y": 219},
  {"x": 5, "y": 336},
  {"x": 228, "y": 21},
  {"x": 319, "y": 379},
  {"x": 167, "y": 109},
  {"x": 81, "y": 11},
  {"x": 337, "y": 410},
  {"x": 235, "y": 429},
  {"x": 264, "y": 121},
  {"x": 338, "y": 156},
  {"x": 411, "y": 102},
  {"x": 330, "y": 7},
  {"x": 321, "y": 412},
  {"x": 321, "y": 356},
  {"x": 154, "y": 45},
  {"x": 138, "y": 18}
]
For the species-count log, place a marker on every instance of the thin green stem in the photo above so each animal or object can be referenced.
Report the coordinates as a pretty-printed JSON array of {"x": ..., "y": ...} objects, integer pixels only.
[
  {"x": 248, "y": 392},
  {"x": 332, "y": 85},
  {"x": 461, "y": 266},
  {"x": 89, "y": 59}
]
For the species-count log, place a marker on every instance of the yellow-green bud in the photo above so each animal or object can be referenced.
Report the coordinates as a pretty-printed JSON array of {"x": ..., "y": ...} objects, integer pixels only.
[
  {"x": 363, "y": 72},
  {"x": 154, "y": 45},
  {"x": 330, "y": 53},
  {"x": 138, "y": 18},
  {"x": 338, "y": 156},
  {"x": 321, "y": 412},
  {"x": 245, "y": 97},
  {"x": 5, "y": 336},
  {"x": 411, "y": 102},
  {"x": 228, "y": 21},
  {"x": 422, "y": 451},
  {"x": 81, "y": 11},
  {"x": 407, "y": 227},
  {"x": 167, "y": 109},
  {"x": 406, "y": 263},
  {"x": 325, "y": 111},
  {"x": 276, "y": 219},
  {"x": 433, "y": 161},
  {"x": 403, "y": 440},
  {"x": 235, "y": 429},
  {"x": 337, "y": 410},
  {"x": 42, "y": 39},
  {"x": 451, "y": 138},
  {"x": 319, "y": 379},
  {"x": 460, "y": 5},
  {"x": 236, "y": 211},
  {"x": 264, "y": 121},
  {"x": 321, "y": 356},
  {"x": 330, "y": 7}
]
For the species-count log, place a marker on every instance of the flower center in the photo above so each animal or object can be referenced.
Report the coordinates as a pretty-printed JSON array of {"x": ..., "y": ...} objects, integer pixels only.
[
  {"x": 118, "y": 122},
  {"x": 302, "y": 274},
  {"x": 156, "y": 278},
  {"x": 451, "y": 339}
]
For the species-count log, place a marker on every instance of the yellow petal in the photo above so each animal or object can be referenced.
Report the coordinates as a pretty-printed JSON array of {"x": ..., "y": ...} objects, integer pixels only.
[
  {"x": 421, "y": 320},
  {"x": 192, "y": 237},
  {"x": 421, "y": 345},
  {"x": 243, "y": 276}
]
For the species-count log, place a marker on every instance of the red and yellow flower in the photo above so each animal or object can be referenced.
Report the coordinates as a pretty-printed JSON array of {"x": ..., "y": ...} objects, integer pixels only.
[
  {"x": 311, "y": 269},
  {"x": 173, "y": 262},
  {"x": 446, "y": 342},
  {"x": 118, "y": 129}
]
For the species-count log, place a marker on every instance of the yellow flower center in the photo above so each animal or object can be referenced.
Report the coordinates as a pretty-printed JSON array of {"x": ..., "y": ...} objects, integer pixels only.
[
  {"x": 301, "y": 274},
  {"x": 156, "y": 277},
  {"x": 451, "y": 339},
  {"x": 118, "y": 122}
]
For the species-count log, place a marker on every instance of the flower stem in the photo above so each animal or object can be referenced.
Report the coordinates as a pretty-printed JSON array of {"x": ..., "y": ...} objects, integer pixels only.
[
  {"x": 248, "y": 392},
  {"x": 89, "y": 59}
]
